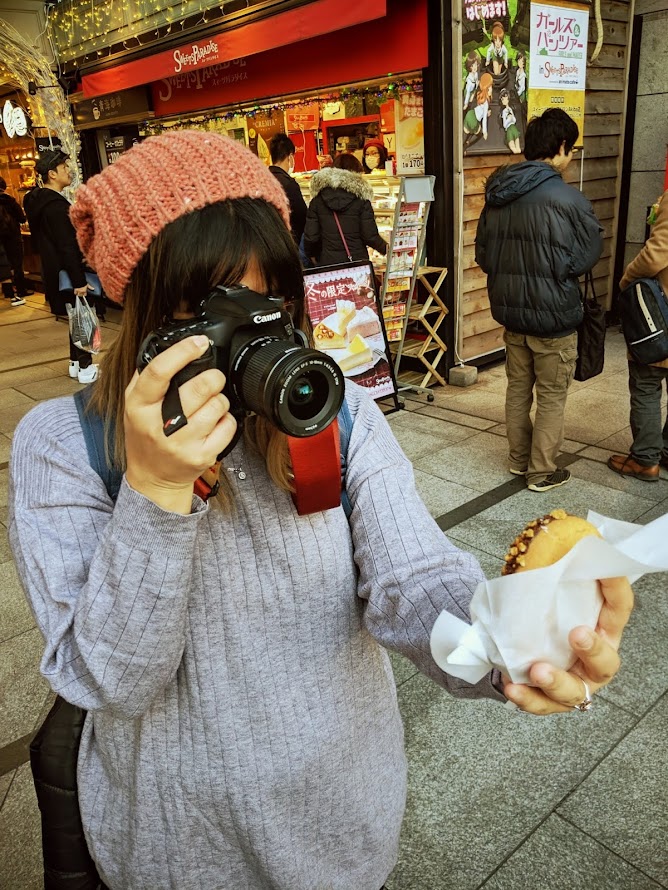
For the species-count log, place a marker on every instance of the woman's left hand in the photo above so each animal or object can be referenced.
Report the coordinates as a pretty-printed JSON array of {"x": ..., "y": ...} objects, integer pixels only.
[{"x": 556, "y": 691}]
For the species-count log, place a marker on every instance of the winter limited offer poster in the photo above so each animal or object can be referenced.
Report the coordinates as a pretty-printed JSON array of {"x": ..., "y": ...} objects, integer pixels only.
[{"x": 342, "y": 305}]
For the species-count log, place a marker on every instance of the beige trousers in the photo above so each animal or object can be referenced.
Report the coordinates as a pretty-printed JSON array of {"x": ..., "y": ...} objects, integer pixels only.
[{"x": 546, "y": 365}]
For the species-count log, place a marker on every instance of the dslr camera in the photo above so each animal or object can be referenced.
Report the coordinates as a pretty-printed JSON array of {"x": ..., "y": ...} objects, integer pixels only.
[{"x": 269, "y": 368}]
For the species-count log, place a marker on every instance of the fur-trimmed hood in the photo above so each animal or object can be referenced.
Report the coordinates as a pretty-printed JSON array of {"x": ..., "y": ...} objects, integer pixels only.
[{"x": 334, "y": 178}]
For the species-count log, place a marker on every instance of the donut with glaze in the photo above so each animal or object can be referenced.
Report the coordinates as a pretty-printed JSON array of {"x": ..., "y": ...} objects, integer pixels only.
[{"x": 544, "y": 541}]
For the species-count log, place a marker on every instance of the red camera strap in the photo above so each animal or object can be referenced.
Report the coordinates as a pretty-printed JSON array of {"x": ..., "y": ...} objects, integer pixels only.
[{"x": 316, "y": 463}]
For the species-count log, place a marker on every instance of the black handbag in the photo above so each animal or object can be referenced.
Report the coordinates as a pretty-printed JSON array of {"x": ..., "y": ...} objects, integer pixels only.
[
  {"x": 53, "y": 759},
  {"x": 591, "y": 335}
]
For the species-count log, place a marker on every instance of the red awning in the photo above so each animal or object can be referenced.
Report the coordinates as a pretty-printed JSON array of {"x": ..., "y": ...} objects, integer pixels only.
[{"x": 319, "y": 17}]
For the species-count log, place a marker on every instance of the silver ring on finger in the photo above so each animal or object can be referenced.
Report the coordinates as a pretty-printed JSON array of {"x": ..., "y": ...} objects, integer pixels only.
[{"x": 587, "y": 703}]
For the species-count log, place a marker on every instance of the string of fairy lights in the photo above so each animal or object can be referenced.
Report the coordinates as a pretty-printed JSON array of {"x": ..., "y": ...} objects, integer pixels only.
[
  {"x": 21, "y": 63},
  {"x": 85, "y": 30},
  {"x": 216, "y": 119}
]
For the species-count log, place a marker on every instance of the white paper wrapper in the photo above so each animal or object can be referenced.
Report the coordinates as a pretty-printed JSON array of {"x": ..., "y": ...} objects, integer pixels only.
[{"x": 520, "y": 619}]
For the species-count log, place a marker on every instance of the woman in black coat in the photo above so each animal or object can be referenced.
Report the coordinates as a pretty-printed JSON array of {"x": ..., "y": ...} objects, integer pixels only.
[{"x": 340, "y": 193}]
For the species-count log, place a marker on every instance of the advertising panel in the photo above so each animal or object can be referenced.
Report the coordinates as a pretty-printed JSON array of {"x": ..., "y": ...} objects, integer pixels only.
[
  {"x": 559, "y": 52},
  {"x": 495, "y": 63},
  {"x": 342, "y": 304}
]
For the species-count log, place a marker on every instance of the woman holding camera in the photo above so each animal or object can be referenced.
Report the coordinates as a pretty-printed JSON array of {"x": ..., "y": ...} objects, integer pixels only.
[{"x": 242, "y": 728}]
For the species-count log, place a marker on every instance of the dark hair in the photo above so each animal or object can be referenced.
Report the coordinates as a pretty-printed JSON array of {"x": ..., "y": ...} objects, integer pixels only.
[
  {"x": 520, "y": 54},
  {"x": 546, "y": 134},
  {"x": 504, "y": 94},
  {"x": 3, "y": 184},
  {"x": 281, "y": 147},
  {"x": 348, "y": 161},
  {"x": 472, "y": 57}
]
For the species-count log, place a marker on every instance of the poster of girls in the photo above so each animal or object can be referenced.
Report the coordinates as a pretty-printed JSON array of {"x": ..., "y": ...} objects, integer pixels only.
[{"x": 495, "y": 67}]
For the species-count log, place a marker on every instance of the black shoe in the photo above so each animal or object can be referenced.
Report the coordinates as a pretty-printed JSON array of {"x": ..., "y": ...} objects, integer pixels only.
[
  {"x": 26, "y": 293},
  {"x": 559, "y": 477}
]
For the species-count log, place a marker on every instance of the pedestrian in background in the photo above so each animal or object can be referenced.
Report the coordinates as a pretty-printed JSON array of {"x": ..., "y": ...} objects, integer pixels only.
[
  {"x": 536, "y": 236},
  {"x": 340, "y": 222},
  {"x": 48, "y": 212},
  {"x": 649, "y": 450},
  {"x": 11, "y": 218},
  {"x": 282, "y": 150}
]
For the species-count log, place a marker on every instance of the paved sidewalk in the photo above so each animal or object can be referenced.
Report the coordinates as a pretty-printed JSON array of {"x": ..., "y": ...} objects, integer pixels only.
[{"x": 497, "y": 800}]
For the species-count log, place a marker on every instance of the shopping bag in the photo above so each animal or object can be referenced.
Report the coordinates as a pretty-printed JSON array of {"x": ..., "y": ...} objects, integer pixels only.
[
  {"x": 84, "y": 326},
  {"x": 591, "y": 335}
]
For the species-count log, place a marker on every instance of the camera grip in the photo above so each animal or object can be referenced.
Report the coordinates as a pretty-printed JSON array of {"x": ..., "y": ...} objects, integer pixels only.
[{"x": 173, "y": 415}]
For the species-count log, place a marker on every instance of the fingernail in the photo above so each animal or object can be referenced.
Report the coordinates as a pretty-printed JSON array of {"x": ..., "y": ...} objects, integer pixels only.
[
  {"x": 201, "y": 340},
  {"x": 584, "y": 639}
]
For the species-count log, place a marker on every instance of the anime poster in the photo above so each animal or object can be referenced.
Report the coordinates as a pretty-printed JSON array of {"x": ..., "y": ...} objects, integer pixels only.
[
  {"x": 495, "y": 69},
  {"x": 342, "y": 304},
  {"x": 559, "y": 50}
]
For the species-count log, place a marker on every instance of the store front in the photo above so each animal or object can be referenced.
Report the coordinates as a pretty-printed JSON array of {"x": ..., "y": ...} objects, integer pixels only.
[{"x": 18, "y": 153}]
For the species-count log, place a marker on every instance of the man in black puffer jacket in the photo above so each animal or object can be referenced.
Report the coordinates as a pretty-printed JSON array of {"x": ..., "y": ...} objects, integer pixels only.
[{"x": 536, "y": 237}]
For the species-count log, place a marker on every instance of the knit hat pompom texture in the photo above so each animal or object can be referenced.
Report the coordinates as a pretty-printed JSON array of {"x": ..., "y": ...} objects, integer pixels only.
[{"x": 119, "y": 212}]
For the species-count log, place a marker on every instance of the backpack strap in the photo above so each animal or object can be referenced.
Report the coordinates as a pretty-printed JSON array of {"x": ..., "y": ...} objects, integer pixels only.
[
  {"x": 345, "y": 432},
  {"x": 92, "y": 427}
]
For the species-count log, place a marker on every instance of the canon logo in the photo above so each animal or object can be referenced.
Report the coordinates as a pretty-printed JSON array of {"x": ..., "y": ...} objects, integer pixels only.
[{"x": 273, "y": 316}]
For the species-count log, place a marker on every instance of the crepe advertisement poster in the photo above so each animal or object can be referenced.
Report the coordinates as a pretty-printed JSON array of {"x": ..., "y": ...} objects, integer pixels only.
[
  {"x": 559, "y": 52},
  {"x": 495, "y": 75},
  {"x": 342, "y": 304}
]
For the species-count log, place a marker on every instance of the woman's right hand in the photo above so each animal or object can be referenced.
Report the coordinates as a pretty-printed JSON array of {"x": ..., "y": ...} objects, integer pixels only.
[{"x": 164, "y": 468}]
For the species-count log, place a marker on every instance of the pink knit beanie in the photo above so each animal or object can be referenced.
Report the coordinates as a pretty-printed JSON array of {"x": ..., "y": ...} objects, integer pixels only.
[{"x": 119, "y": 212}]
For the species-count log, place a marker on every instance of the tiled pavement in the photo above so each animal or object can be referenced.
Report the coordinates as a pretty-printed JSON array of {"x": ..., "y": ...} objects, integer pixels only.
[{"x": 498, "y": 800}]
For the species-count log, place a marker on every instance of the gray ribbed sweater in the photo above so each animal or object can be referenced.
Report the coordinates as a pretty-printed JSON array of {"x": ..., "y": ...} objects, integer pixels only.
[{"x": 243, "y": 731}]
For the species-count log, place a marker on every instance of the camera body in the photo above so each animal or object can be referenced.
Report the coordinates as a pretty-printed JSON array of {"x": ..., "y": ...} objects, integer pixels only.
[{"x": 268, "y": 368}]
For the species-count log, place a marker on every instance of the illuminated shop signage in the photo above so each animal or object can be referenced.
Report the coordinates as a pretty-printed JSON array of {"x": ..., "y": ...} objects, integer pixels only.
[{"x": 14, "y": 120}]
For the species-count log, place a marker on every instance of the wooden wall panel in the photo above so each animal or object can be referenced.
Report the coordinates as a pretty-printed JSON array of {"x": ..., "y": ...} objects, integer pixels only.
[{"x": 599, "y": 172}]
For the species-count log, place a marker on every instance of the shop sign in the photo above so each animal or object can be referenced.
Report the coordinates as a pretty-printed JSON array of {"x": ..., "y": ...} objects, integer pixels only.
[
  {"x": 111, "y": 107},
  {"x": 14, "y": 120},
  {"x": 409, "y": 133},
  {"x": 397, "y": 42},
  {"x": 559, "y": 50},
  {"x": 304, "y": 117},
  {"x": 114, "y": 147},
  {"x": 223, "y": 74},
  {"x": 306, "y": 21},
  {"x": 261, "y": 128}
]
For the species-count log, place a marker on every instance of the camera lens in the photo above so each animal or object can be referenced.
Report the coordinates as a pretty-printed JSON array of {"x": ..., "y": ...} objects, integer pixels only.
[
  {"x": 298, "y": 390},
  {"x": 302, "y": 392}
]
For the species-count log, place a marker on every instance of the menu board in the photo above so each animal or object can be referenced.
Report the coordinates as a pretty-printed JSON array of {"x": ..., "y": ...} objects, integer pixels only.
[{"x": 342, "y": 304}]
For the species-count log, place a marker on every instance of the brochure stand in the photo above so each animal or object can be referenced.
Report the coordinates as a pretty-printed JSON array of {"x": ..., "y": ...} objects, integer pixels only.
[{"x": 403, "y": 271}]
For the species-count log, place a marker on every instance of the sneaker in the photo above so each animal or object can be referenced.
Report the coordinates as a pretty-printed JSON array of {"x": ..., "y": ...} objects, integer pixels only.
[
  {"x": 517, "y": 472},
  {"x": 18, "y": 301},
  {"x": 559, "y": 477},
  {"x": 88, "y": 375},
  {"x": 74, "y": 370}
]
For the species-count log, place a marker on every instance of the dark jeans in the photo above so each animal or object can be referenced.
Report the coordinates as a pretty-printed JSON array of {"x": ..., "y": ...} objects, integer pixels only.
[
  {"x": 80, "y": 355},
  {"x": 650, "y": 437},
  {"x": 14, "y": 250}
]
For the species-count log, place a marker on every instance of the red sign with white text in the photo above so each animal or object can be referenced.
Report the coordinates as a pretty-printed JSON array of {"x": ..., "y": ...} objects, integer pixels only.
[
  {"x": 315, "y": 18},
  {"x": 396, "y": 43}
]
